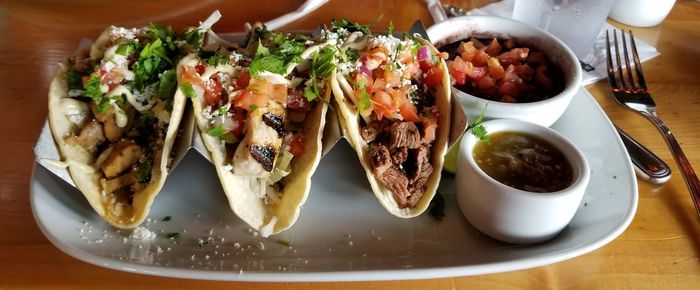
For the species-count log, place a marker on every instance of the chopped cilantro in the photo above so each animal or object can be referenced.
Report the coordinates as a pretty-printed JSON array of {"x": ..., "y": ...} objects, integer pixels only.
[
  {"x": 74, "y": 79},
  {"x": 390, "y": 28},
  {"x": 92, "y": 90},
  {"x": 173, "y": 236},
  {"x": 284, "y": 242},
  {"x": 194, "y": 37},
  {"x": 188, "y": 90},
  {"x": 253, "y": 107},
  {"x": 269, "y": 63},
  {"x": 364, "y": 103},
  {"x": 261, "y": 50},
  {"x": 166, "y": 84},
  {"x": 128, "y": 48},
  {"x": 219, "y": 132},
  {"x": 218, "y": 58},
  {"x": 352, "y": 27},
  {"x": 143, "y": 173},
  {"x": 478, "y": 128},
  {"x": 280, "y": 53},
  {"x": 436, "y": 209},
  {"x": 321, "y": 67},
  {"x": 167, "y": 218}
]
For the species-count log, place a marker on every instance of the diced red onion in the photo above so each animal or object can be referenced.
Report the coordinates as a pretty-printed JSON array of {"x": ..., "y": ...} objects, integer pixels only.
[
  {"x": 365, "y": 70},
  {"x": 422, "y": 53}
]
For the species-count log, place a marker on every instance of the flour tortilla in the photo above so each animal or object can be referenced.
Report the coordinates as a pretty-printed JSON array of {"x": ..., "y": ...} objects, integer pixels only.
[
  {"x": 64, "y": 110},
  {"x": 350, "y": 120},
  {"x": 245, "y": 203}
]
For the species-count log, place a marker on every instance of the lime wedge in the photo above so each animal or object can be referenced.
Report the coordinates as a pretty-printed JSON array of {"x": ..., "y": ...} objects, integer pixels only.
[{"x": 451, "y": 158}]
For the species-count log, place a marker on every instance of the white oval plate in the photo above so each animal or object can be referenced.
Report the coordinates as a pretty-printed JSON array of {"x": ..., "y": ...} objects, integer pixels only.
[{"x": 343, "y": 234}]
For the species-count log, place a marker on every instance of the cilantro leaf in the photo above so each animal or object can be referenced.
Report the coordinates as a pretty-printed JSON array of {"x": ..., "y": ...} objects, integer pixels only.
[
  {"x": 271, "y": 63},
  {"x": 390, "y": 28},
  {"x": 92, "y": 90},
  {"x": 218, "y": 58},
  {"x": 188, "y": 90},
  {"x": 194, "y": 37},
  {"x": 74, "y": 79},
  {"x": 364, "y": 103},
  {"x": 321, "y": 67},
  {"x": 128, "y": 48},
  {"x": 166, "y": 84},
  {"x": 478, "y": 128},
  {"x": 261, "y": 50},
  {"x": 143, "y": 173},
  {"x": 219, "y": 132}
]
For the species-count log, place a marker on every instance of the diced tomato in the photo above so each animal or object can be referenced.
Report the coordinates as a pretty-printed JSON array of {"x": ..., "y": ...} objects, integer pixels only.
[
  {"x": 496, "y": 71},
  {"x": 460, "y": 65},
  {"x": 480, "y": 58},
  {"x": 297, "y": 101},
  {"x": 476, "y": 72},
  {"x": 467, "y": 50},
  {"x": 485, "y": 83},
  {"x": 199, "y": 68},
  {"x": 443, "y": 55},
  {"x": 239, "y": 116},
  {"x": 513, "y": 56},
  {"x": 535, "y": 58},
  {"x": 383, "y": 105},
  {"x": 212, "y": 93},
  {"x": 296, "y": 145},
  {"x": 524, "y": 71},
  {"x": 510, "y": 89},
  {"x": 542, "y": 79},
  {"x": 392, "y": 77},
  {"x": 189, "y": 74},
  {"x": 412, "y": 69},
  {"x": 249, "y": 100},
  {"x": 409, "y": 112},
  {"x": 459, "y": 77},
  {"x": 426, "y": 64},
  {"x": 494, "y": 48},
  {"x": 379, "y": 84},
  {"x": 433, "y": 78},
  {"x": 242, "y": 81}
]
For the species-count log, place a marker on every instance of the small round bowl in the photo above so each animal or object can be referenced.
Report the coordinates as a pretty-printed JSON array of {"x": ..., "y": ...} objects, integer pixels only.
[
  {"x": 509, "y": 214},
  {"x": 544, "y": 112}
]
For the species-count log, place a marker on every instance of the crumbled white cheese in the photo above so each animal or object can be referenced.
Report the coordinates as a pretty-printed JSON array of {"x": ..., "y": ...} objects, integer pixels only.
[
  {"x": 234, "y": 57},
  {"x": 143, "y": 234},
  {"x": 124, "y": 33}
]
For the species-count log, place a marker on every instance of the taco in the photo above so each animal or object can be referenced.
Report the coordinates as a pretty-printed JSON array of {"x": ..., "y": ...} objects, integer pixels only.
[
  {"x": 260, "y": 107},
  {"x": 393, "y": 99},
  {"x": 114, "y": 116}
]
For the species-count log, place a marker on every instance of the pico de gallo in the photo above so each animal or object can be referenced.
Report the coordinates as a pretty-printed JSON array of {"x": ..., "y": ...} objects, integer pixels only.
[
  {"x": 391, "y": 83},
  {"x": 255, "y": 101},
  {"x": 502, "y": 70}
]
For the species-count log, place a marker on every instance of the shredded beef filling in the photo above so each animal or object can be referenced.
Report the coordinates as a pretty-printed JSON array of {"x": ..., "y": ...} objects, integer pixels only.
[{"x": 400, "y": 158}]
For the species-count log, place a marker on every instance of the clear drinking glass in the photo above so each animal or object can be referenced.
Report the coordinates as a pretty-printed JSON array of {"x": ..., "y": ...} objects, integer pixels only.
[{"x": 575, "y": 22}]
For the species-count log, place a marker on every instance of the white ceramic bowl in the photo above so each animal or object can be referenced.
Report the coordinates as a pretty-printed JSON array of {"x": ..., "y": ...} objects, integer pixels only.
[
  {"x": 544, "y": 112},
  {"x": 512, "y": 215}
]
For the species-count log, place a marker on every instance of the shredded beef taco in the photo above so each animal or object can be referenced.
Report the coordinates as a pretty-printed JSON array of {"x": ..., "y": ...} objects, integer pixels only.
[
  {"x": 260, "y": 107},
  {"x": 114, "y": 116},
  {"x": 393, "y": 98}
]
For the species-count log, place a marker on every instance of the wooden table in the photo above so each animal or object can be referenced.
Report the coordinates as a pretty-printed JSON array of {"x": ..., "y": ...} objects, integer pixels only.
[{"x": 659, "y": 250}]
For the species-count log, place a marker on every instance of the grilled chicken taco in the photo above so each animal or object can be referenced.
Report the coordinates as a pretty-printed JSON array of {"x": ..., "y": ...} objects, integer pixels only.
[
  {"x": 393, "y": 96},
  {"x": 114, "y": 117},
  {"x": 260, "y": 108}
]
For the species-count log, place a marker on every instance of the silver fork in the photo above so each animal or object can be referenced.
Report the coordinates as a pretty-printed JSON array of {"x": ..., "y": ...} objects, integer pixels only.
[{"x": 630, "y": 91}]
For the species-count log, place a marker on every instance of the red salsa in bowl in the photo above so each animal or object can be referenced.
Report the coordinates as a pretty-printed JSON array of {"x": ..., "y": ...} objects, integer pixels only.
[{"x": 502, "y": 70}]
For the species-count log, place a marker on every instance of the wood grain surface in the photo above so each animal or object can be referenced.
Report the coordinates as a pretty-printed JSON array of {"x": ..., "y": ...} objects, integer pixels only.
[{"x": 659, "y": 250}]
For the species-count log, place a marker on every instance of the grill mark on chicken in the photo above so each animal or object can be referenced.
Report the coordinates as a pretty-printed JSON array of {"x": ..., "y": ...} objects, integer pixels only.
[
  {"x": 265, "y": 155},
  {"x": 90, "y": 137},
  {"x": 123, "y": 155},
  {"x": 275, "y": 122}
]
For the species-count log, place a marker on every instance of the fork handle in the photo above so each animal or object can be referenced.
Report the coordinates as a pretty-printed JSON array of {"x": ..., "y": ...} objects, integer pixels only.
[{"x": 691, "y": 180}]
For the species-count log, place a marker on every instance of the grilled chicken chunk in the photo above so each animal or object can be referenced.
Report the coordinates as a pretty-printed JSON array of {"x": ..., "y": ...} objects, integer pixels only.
[
  {"x": 90, "y": 136},
  {"x": 123, "y": 155},
  {"x": 117, "y": 183},
  {"x": 257, "y": 152}
]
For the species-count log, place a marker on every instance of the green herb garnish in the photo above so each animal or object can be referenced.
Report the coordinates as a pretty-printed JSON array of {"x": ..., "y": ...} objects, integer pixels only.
[
  {"x": 74, "y": 79},
  {"x": 284, "y": 242},
  {"x": 322, "y": 66},
  {"x": 390, "y": 28},
  {"x": 188, "y": 90},
  {"x": 167, "y": 81},
  {"x": 219, "y": 132},
  {"x": 143, "y": 173},
  {"x": 352, "y": 27},
  {"x": 276, "y": 58},
  {"x": 218, "y": 58},
  {"x": 92, "y": 90},
  {"x": 364, "y": 103},
  {"x": 478, "y": 128},
  {"x": 173, "y": 236}
]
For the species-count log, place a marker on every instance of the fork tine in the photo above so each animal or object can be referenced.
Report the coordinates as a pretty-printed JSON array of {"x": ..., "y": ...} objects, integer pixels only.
[
  {"x": 637, "y": 63},
  {"x": 620, "y": 76},
  {"x": 611, "y": 68},
  {"x": 627, "y": 62}
]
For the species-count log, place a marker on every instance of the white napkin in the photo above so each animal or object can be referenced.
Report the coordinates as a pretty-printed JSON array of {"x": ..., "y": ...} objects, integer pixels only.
[{"x": 597, "y": 60}]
